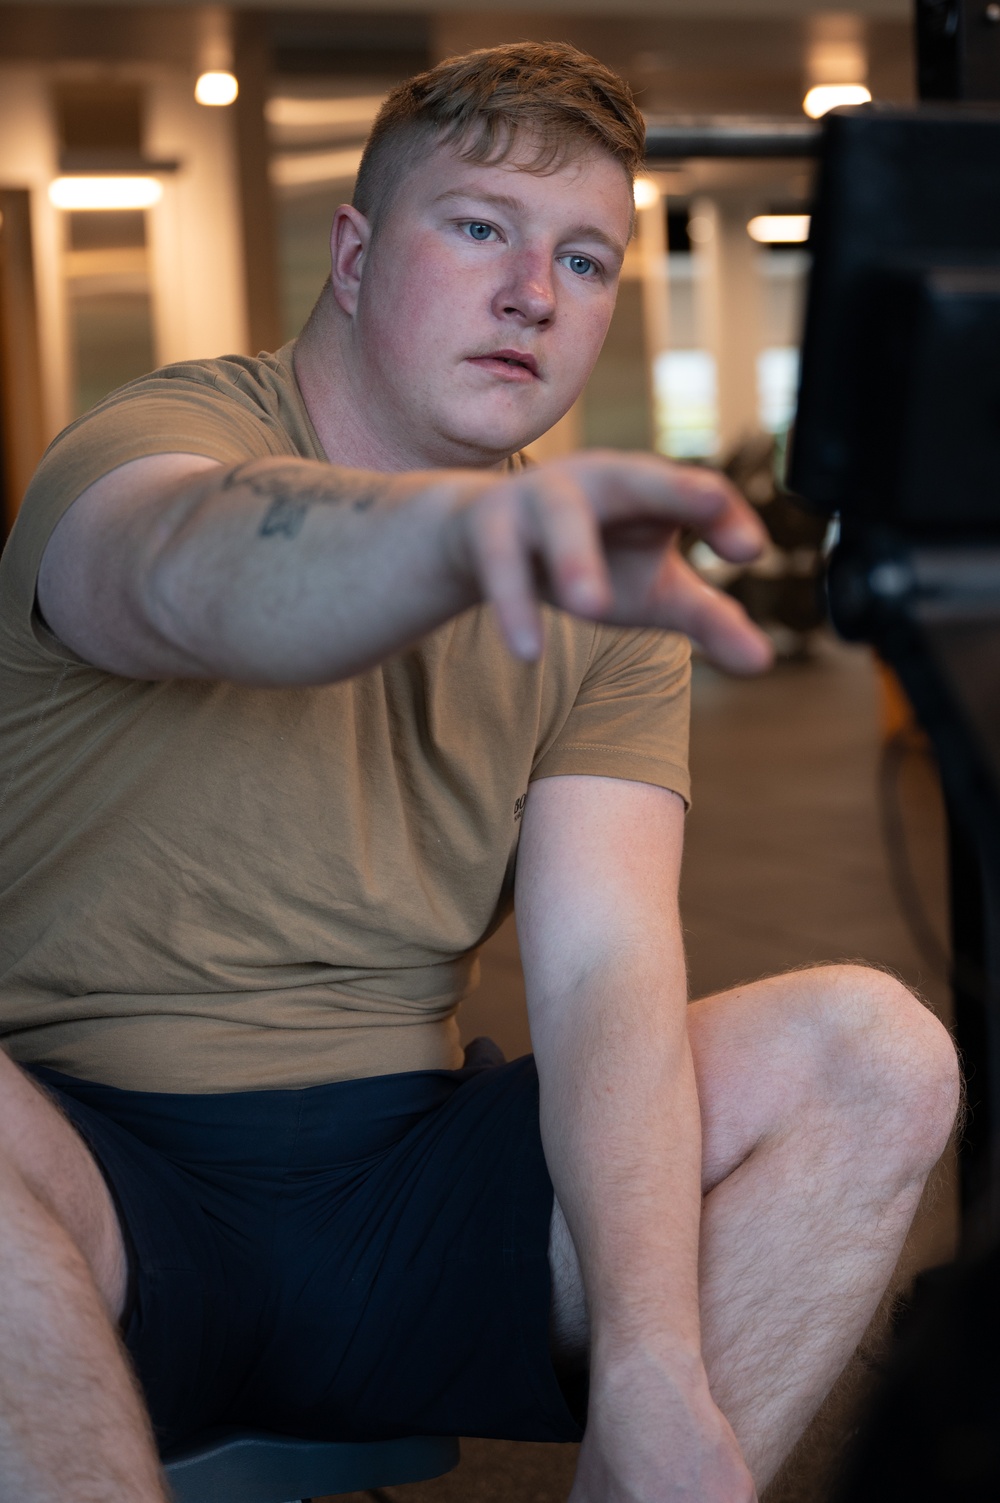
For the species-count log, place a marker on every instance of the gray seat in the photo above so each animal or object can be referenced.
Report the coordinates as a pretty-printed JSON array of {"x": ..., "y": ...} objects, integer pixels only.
[{"x": 247, "y": 1466}]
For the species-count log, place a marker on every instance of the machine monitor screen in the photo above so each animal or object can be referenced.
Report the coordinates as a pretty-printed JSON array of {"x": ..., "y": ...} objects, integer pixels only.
[{"x": 899, "y": 405}]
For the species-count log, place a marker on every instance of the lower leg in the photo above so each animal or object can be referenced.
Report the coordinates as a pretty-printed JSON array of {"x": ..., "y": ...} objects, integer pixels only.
[
  {"x": 72, "y": 1424},
  {"x": 801, "y": 1232}
]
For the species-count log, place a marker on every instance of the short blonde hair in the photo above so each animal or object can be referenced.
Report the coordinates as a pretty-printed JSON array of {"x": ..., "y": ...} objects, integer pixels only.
[{"x": 557, "y": 98}]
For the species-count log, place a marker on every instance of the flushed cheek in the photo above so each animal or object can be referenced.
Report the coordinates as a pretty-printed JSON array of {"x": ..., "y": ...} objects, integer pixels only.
[
  {"x": 584, "y": 346},
  {"x": 577, "y": 345},
  {"x": 594, "y": 325},
  {"x": 423, "y": 319}
]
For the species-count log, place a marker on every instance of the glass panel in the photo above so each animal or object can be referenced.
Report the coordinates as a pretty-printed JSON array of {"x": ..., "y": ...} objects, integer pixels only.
[
  {"x": 777, "y": 387},
  {"x": 110, "y": 306},
  {"x": 304, "y": 250},
  {"x": 616, "y": 398},
  {"x": 316, "y": 129},
  {"x": 112, "y": 335},
  {"x": 684, "y": 384}
]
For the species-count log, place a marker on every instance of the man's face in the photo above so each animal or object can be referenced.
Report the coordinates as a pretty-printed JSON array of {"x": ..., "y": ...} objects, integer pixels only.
[{"x": 485, "y": 298}]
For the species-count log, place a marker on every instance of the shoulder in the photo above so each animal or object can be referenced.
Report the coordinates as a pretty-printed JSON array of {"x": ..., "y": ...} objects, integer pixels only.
[
  {"x": 592, "y": 655},
  {"x": 224, "y": 409},
  {"x": 628, "y": 718},
  {"x": 264, "y": 381},
  {"x": 262, "y": 386},
  {"x": 227, "y": 410}
]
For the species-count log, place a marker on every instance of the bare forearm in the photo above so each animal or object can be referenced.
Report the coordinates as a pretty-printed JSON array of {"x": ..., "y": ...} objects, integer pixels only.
[
  {"x": 598, "y": 873},
  {"x": 295, "y": 572},
  {"x": 289, "y": 571},
  {"x": 621, "y": 1129}
]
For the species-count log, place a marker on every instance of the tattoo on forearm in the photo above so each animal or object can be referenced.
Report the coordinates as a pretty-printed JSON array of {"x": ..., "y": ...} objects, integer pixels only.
[
  {"x": 283, "y": 518},
  {"x": 298, "y": 487}
]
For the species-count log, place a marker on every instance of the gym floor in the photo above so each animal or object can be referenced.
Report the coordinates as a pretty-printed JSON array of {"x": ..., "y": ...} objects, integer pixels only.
[{"x": 785, "y": 865}]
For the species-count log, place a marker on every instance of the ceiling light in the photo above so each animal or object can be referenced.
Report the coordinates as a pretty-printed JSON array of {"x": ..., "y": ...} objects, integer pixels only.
[
  {"x": 117, "y": 192},
  {"x": 646, "y": 193},
  {"x": 216, "y": 88},
  {"x": 827, "y": 96},
  {"x": 779, "y": 229}
]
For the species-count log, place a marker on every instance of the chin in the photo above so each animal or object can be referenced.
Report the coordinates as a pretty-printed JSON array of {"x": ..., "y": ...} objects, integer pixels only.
[{"x": 497, "y": 438}]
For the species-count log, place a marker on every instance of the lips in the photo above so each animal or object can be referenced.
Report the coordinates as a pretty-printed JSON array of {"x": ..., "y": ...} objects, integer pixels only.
[{"x": 514, "y": 360}]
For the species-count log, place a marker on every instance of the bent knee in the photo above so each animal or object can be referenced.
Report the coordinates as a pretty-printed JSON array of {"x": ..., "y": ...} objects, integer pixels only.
[{"x": 888, "y": 1058}]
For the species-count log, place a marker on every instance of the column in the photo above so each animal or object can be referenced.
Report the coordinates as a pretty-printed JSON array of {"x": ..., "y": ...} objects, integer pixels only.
[{"x": 729, "y": 300}]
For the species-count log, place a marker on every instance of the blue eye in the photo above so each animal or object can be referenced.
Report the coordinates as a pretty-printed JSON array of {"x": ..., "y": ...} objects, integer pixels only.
[
  {"x": 479, "y": 231},
  {"x": 580, "y": 264}
]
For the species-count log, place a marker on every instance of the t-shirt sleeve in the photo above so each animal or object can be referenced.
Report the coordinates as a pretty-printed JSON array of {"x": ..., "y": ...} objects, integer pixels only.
[
  {"x": 630, "y": 716},
  {"x": 155, "y": 415}
]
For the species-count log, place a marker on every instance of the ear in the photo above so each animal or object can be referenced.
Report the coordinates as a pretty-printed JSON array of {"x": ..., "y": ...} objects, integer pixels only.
[{"x": 349, "y": 241}]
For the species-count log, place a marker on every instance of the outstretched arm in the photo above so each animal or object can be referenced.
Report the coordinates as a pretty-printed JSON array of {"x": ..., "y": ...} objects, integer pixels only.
[
  {"x": 596, "y": 896},
  {"x": 291, "y": 571}
]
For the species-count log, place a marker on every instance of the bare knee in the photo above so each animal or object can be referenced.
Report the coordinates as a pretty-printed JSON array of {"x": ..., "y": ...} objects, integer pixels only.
[{"x": 886, "y": 1061}]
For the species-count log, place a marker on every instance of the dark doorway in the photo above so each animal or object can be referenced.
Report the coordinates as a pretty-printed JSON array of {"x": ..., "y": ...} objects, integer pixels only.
[{"x": 21, "y": 424}]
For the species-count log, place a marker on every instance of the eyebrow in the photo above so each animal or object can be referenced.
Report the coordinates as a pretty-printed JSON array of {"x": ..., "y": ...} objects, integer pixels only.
[{"x": 508, "y": 201}]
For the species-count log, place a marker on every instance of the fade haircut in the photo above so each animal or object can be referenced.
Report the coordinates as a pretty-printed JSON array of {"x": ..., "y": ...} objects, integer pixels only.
[{"x": 548, "y": 95}]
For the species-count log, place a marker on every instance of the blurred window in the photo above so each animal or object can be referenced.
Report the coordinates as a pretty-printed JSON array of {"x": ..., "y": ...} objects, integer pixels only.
[
  {"x": 105, "y": 261},
  {"x": 684, "y": 385},
  {"x": 777, "y": 386},
  {"x": 331, "y": 71},
  {"x": 110, "y": 309}
]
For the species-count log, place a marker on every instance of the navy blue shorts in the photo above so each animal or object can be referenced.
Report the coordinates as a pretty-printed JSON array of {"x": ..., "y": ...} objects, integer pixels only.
[{"x": 350, "y": 1261}]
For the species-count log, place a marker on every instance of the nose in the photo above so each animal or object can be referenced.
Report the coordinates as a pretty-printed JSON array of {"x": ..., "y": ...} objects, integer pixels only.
[{"x": 527, "y": 293}]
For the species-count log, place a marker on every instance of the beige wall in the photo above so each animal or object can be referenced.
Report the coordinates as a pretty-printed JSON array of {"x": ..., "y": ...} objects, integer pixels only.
[
  {"x": 199, "y": 301},
  {"x": 28, "y": 159}
]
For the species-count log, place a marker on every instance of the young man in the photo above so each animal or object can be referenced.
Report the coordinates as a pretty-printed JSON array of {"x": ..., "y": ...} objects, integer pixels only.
[{"x": 304, "y": 678}]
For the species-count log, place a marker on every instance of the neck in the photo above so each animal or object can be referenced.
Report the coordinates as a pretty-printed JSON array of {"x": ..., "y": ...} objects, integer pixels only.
[{"x": 349, "y": 413}]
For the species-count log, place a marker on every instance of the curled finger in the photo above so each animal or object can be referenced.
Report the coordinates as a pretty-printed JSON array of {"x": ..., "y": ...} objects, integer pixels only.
[
  {"x": 567, "y": 537},
  {"x": 502, "y": 563},
  {"x": 633, "y": 487}
]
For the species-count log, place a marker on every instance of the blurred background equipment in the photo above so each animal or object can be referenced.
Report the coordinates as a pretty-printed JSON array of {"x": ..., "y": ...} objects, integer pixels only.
[
  {"x": 896, "y": 431},
  {"x": 932, "y": 1435},
  {"x": 783, "y": 589}
]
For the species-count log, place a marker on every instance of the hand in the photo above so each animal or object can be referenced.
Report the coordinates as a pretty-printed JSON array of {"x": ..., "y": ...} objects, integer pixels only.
[
  {"x": 596, "y": 534},
  {"x": 654, "y": 1438}
]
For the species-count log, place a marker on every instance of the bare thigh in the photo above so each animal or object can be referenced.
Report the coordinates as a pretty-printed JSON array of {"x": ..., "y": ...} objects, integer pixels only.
[{"x": 45, "y": 1151}]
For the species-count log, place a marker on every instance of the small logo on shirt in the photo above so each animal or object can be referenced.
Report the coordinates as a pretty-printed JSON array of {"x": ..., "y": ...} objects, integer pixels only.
[{"x": 519, "y": 807}]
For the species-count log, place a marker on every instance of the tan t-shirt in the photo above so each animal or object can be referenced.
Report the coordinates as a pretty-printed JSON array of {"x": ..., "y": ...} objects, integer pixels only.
[{"x": 207, "y": 887}]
